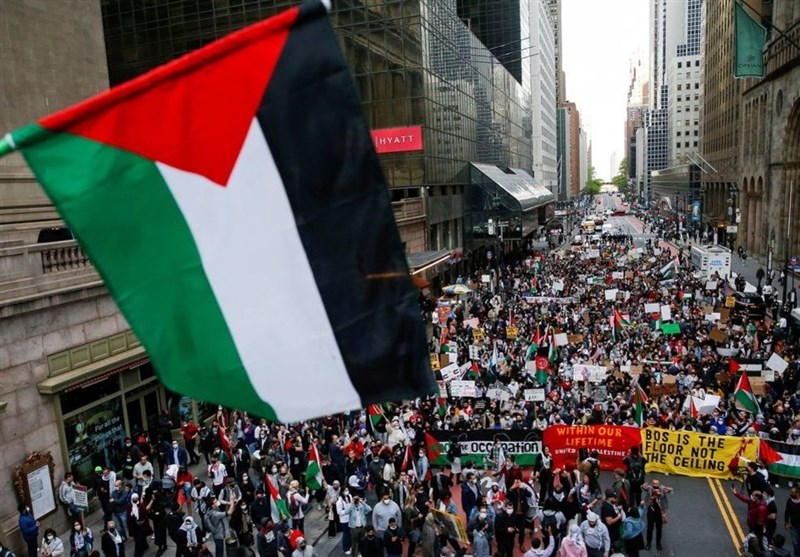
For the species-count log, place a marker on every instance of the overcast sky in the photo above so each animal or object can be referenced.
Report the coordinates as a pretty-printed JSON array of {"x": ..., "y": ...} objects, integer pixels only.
[{"x": 600, "y": 38}]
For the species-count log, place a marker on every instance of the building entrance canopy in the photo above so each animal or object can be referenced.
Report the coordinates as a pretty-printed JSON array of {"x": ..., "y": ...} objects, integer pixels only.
[{"x": 516, "y": 188}]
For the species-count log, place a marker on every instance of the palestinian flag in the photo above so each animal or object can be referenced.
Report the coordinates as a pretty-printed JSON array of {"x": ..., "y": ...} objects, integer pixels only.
[
  {"x": 552, "y": 352},
  {"x": 433, "y": 447},
  {"x": 408, "y": 461},
  {"x": 743, "y": 396},
  {"x": 620, "y": 322},
  {"x": 669, "y": 270},
  {"x": 534, "y": 346},
  {"x": 639, "y": 402},
  {"x": 234, "y": 205},
  {"x": 280, "y": 511},
  {"x": 314, "y": 479},
  {"x": 375, "y": 416},
  {"x": 767, "y": 454},
  {"x": 789, "y": 453}
]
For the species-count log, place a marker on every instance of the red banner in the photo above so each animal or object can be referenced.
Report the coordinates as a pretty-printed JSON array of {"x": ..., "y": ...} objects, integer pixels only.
[{"x": 612, "y": 442}]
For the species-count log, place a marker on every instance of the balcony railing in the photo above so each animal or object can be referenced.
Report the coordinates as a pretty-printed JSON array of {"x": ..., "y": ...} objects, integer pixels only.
[
  {"x": 408, "y": 209},
  {"x": 63, "y": 257}
]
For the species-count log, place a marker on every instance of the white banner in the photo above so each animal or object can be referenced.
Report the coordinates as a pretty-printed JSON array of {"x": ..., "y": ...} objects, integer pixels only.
[
  {"x": 592, "y": 374},
  {"x": 450, "y": 373},
  {"x": 462, "y": 389},
  {"x": 534, "y": 395}
]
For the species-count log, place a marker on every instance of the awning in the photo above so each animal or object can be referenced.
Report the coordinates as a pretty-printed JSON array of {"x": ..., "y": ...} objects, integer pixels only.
[
  {"x": 518, "y": 184},
  {"x": 422, "y": 260},
  {"x": 94, "y": 372}
]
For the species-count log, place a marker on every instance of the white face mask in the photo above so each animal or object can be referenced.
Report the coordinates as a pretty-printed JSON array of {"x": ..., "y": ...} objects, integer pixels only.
[
  {"x": 509, "y": 511},
  {"x": 49, "y": 538},
  {"x": 482, "y": 515},
  {"x": 387, "y": 501}
]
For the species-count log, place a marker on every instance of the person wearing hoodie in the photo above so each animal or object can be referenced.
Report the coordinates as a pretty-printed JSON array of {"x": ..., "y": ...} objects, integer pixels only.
[
  {"x": 186, "y": 538},
  {"x": 573, "y": 545},
  {"x": 29, "y": 528},
  {"x": 480, "y": 541},
  {"x": 633, "y": 530}
]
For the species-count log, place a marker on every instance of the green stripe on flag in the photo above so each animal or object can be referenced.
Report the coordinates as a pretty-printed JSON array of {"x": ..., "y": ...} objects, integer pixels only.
[{"x": 156, "y": 276}]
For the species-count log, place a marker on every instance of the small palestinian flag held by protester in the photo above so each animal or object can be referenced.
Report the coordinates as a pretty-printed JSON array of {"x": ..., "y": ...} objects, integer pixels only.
[
  {"x": 234, "y": 205},
  {"x": 639, "y": 401},
  {"x": 669, "y": 270},
  {"x": 279, "y": 510},
  {"x": 433, "y": 447},
  {"x": 408, "y": 461},
  {"x": 743, "y": 396},
  {"x": 375, "y": 416},
  {"x": 314, "y": 479},
  {"x": 534, "y": 346}
]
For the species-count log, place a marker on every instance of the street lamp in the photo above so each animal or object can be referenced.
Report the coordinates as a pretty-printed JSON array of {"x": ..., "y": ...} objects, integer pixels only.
[{"x": 732, "y": 224}]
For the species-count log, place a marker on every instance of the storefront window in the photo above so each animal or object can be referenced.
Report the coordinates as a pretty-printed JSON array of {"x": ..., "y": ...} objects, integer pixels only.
[
  {"x": 79, "y": 397},
  {"x": 94, "y": 438}
]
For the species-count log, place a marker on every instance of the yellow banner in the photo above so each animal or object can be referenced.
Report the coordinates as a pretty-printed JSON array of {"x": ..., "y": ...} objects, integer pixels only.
[{"x": 686, "y": 453}]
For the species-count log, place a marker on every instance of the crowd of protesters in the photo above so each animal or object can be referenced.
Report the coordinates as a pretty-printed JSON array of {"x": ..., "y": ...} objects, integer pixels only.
[{"x": 383, "y": 494}]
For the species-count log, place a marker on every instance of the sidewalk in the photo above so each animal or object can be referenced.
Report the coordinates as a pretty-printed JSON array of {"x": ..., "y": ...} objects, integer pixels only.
[{"x": 316, "y": 525}]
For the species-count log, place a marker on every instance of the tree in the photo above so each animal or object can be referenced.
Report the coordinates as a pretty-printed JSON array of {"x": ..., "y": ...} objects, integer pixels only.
[
  {"x": 621, "y": 179},
  {"x": 593, "y": 183}
]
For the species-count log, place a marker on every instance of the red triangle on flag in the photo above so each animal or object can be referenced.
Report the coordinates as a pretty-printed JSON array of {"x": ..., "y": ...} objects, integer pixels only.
[
  {"x": 733, "y": 366},
  {"x": 768, "y": 454}
]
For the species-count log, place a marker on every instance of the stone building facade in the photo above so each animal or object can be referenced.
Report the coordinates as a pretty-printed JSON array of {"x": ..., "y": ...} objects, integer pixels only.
[{"x": 769, "y": 149}]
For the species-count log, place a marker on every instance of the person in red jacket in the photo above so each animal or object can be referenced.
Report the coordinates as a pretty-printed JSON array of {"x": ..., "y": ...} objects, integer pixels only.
[{"x": 756, "y": 511}]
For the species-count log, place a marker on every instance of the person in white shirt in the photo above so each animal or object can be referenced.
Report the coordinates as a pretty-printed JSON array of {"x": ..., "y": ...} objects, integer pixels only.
[{"x": 217, "y": 472}]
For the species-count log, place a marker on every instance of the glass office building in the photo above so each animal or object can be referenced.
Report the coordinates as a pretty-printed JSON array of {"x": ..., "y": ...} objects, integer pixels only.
[{"x": 415, "y": 63}]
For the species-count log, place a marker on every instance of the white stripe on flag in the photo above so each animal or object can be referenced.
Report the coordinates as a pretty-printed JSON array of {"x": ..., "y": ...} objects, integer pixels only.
[{"x": 258, "y": 269}]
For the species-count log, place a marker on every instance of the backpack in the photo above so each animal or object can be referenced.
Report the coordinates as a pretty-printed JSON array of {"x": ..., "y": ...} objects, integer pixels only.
[
  {"x": 549, "y": 521},
  {"x": 294, "y": 506},
  {"x": 636, "y": 470}
]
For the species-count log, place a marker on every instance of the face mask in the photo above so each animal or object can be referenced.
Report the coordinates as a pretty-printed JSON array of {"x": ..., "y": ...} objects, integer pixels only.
[
  {"x": 509, "y": 511},
  {"x": 244, "y": 478},
  {"x": 243, "y": 507},
  {"x": 392, "y": 528},
  {"x": 482, "y": 515},
  {"x": 387, "y": 501},
  {"x": 49, "y": 538},
  {"x": 274, "y": 470},
  {"x": 174, "y": 445}
]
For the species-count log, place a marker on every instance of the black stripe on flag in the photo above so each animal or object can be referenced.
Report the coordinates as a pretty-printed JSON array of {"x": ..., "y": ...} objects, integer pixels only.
[
  {"x": 785, "y": 448},
  {"x": 312, "y": 119}
]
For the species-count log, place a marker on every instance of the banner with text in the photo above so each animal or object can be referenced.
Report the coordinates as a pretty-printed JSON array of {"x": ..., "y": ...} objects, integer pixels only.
[
  {"x": 686, "y": 453},
  {"x": 476, "y": 445},
  {"x": 611, "y": 442}
]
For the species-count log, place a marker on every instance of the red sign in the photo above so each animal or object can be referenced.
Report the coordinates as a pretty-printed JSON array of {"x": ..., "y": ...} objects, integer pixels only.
[
  {"x": 398, "y": 140},
  {"x": 612, "y": 443}
]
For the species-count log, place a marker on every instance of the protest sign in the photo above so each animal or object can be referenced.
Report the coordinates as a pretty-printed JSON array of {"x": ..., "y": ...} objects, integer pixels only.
[
  {"x": 617, "y": 275},
  {"x": 477, "y": 335},
  {"x": 705, "y": 406},
  {"x": 476, "y": 444},
  {"x": 474, "y": 352},
  {"x": 444, "y": 314},
  {"x": 534, "y": 395},
  {"x": 713, "y": 317},
  {"x": 671, "y": 328},
  {"x": 473, "y": 323},
  {"x": 549, "y": 300},
  {"x": 768, "y": 374},
  {"x": 558, "y": 286},
  {"x": 462, "y": 389},
  {"x": 450, "y": 372},
  {"x": 688, "y": 453},
  {"x": 711, "y": 285},
  {"x": 665, "y": 389},
  {"x": 666, "y": 313},
  {"x": 759, "y": 385},
  {"x": 442, "y": 389},
  {"x": 724, "y": 314},
  {"x": 561, "y": 339},
  {"x": 450, "y": 525},
  {"x": 718, "y": 336},
  {"x": 590, "y": 373},
  {"x": 511, "y": 333},
  {"x": 652, "y": 308},
  {"x": 611, "y": 442},
  {"x": 486, "y": 279},
  {"x": 730, "y": 302},
  {"x": 530, "y": 367},
  {"x": 574, "y": 339},
  {"x": 435, "y": 362},
  {"x": 452, "y": 357},
  {"x": 777, "y": 363},
  {"x": 611, "y": 294},
  {"x": 81, "y": 497}
]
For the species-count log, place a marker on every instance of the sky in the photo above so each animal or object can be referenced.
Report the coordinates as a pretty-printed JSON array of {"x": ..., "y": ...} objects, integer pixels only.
[{"x": 600, "y": 38}]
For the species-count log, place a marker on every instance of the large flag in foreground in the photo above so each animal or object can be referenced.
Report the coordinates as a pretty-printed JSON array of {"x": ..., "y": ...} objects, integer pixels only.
[{"x": 235, "y": 207}]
